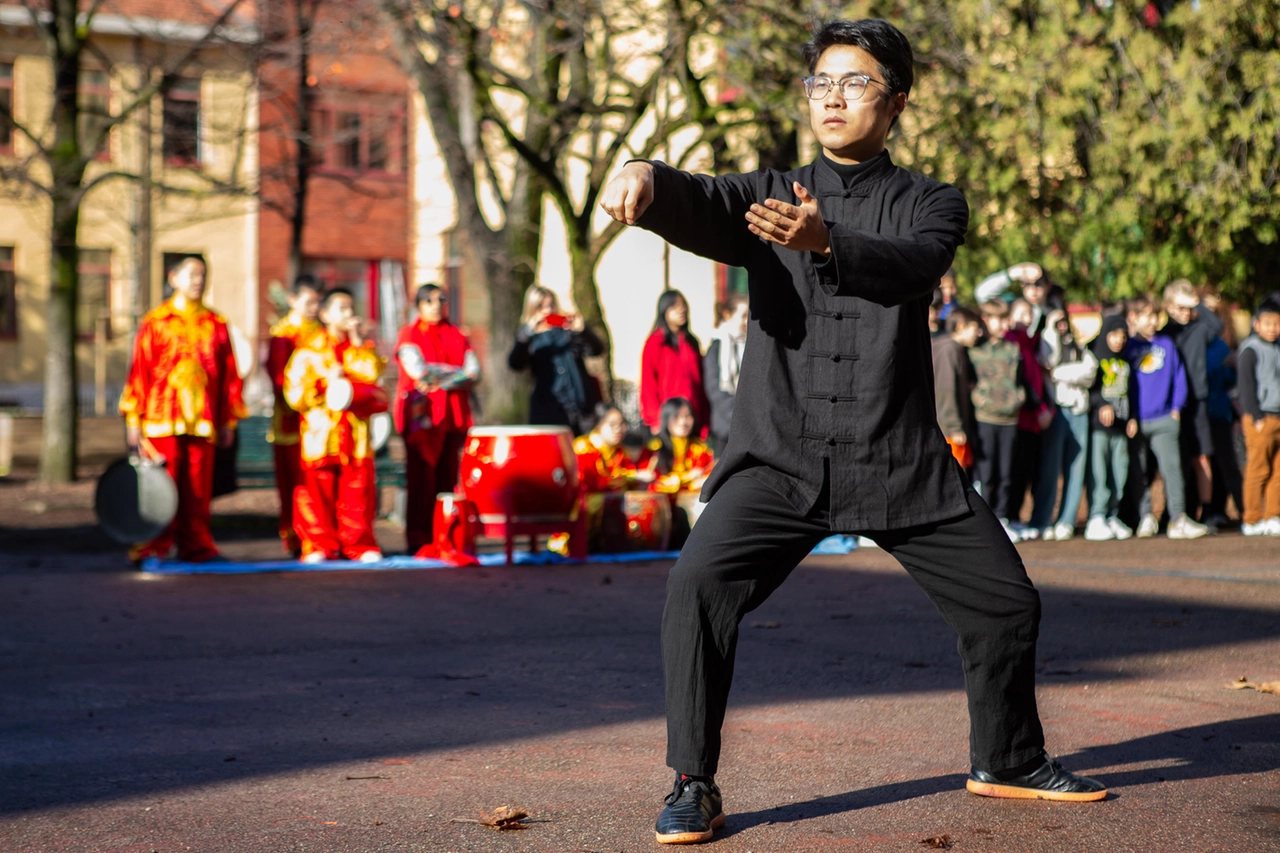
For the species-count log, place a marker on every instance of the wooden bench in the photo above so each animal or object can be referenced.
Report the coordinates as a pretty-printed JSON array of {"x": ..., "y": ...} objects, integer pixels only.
[{"x": 256, "y": 466}]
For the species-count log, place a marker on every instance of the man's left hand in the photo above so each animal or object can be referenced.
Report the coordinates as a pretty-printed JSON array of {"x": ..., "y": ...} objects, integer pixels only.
[{"x": 796, "y": 227}]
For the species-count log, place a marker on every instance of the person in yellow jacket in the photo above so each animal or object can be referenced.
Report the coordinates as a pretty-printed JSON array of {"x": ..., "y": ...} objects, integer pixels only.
[{"x": 331, "y": 381}]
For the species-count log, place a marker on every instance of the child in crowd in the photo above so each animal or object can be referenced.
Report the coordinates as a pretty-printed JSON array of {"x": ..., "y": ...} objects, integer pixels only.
[
  {"x": 1033, "y": 418},
  {"x": 338, "y": 497},
  {"x": 1158, "y": 386},
  {"x": 998, "y": 395},
  {"x": 1259, "y": 388},
  {"x": 1062, "y": 452},
  {"x": 953, "y": 381},
  {"x": 1113, "y": 425}
]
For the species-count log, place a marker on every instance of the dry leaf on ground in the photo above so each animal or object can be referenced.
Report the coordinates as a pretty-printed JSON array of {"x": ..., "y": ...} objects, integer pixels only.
[
  {"x": 504, "y": 817},
  {"x": 1243, "y": 683},
  {"x": 938, "y": 842}
]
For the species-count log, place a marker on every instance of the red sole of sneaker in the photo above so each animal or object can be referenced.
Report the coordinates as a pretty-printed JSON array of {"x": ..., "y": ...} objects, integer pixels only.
[
  {"x": 691, "y": 837},
  {"x": 987, "y": 789}
]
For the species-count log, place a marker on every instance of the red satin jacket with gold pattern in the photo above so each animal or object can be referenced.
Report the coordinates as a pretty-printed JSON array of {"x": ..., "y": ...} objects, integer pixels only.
[
  {"x": 329, "y": 437},
  {"x": 605, "y": 469},
  {"x": 286, "y": 336},
  {"x": 692, "y": 462},
  {"x": 183, "y": 378}
]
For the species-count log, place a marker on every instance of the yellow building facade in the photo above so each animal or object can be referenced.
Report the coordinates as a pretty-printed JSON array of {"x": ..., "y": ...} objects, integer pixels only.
[{"x": 194, "y": 146}]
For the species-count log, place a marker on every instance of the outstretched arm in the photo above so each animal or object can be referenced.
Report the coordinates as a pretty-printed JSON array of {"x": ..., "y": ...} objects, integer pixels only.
[
  {"x": 698, "y": 213},
  {"x": 892, "y": 270}
]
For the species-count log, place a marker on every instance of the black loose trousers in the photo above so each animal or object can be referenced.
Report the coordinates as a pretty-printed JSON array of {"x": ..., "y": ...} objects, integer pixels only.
[{"x": 745, "y": 545}]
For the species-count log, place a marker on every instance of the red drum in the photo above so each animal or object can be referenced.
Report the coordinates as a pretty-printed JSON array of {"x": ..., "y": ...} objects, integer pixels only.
[
  {"x": 633, "y": 521},
  {"x": 362, "y": 399},
  {"x": 456, "y": 526},
  {"x": 520, "y": 473}
]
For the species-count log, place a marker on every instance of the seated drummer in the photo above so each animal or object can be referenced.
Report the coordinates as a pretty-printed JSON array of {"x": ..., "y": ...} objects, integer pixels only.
[
  {"x": 679, "y": 459},
  {"x": 603, "y": 463},
  {"x": 338, "y": 498}
]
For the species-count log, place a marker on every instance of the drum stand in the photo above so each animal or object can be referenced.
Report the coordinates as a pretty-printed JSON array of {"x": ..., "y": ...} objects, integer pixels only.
[{"x": 509, "y": 527}]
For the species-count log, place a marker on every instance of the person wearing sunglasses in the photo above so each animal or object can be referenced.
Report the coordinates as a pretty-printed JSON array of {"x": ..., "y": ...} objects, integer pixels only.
[{"x": 834, "y": 426}]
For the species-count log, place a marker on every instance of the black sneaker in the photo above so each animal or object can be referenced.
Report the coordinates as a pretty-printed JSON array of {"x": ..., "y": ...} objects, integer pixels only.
[
  {"x": 1048, "y": 781},
  {"x": 692, "y": 813}
]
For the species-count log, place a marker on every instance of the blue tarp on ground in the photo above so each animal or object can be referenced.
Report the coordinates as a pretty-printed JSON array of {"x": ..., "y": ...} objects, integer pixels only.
[{"x": 830, "y": 545}]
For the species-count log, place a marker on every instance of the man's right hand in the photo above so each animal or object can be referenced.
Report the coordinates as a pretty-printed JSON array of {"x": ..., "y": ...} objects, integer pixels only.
[{"x": 629, "y": 194}]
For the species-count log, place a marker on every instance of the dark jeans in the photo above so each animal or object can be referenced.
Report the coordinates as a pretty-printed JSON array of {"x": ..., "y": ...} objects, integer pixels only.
[
  {"x": 1026, "y": 471},
  {"x": 744, "y": 546},
  {"x": 995, "y": 464},
  {"x": 1228, "y": 481}
]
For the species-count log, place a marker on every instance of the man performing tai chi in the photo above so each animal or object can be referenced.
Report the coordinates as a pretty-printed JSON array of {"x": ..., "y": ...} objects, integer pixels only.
[{"x": 834, "y": 427}]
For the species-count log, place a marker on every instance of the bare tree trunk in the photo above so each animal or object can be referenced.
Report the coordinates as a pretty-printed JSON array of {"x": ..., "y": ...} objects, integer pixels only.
[
  {"x": 586, "y": 296},
  {"x": 66, "y": 166},
  {"x": 303, "y": 20}
]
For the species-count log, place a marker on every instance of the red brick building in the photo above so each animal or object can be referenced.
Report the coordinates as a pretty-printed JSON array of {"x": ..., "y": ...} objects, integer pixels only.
[{"x": 356, "y": 223}]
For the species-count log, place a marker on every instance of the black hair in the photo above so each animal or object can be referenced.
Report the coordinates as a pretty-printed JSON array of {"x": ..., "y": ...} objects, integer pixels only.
[
  {"x": 424, "y": 293},
  {"x": 961, "y": 317},
  {"x": 599, "y": 413},
  {"x": 666, "y": 452},
  {"x": 306, "y": 281},
  {"x": 1270, "y": 305},
  {"x": 670, "y": 338},
  {"x": 885, "y": 42},
  {"x": 328, "y": 295}
]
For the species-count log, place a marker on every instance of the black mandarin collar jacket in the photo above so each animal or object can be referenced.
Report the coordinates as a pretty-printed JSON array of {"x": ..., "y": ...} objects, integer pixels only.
[{"x": 838, "y": 368}]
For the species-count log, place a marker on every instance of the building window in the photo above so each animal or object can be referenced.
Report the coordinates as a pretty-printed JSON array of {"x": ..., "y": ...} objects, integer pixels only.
[
  {"x": 360, "y": 138},
  {"x": 94, "y": 300},
  {"x": 8, "y": 294},
  {"x": 95, "y": 113},
  {"x": 6, "y": 108},
  {"x": 182, "y": 123}
]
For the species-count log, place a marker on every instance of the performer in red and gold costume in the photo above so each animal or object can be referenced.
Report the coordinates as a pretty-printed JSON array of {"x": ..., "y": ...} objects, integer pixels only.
[
  {"x": 336, "y": 501},
  {"x": 603, "y": 463},
  {"x": 432, "y": 408},
  {"x": 680, "y": 460},
  {"x": 291, "y": 332},
  {"x": 182, "y": 395}
]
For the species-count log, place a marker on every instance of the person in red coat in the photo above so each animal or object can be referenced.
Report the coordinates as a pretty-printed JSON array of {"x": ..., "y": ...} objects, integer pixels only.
[
  {"x": 432, "y": 408},
  {"x": 183, "y": 395},
  {"x": 671, "y": 364},
  {"x": 294, "y": 330}
]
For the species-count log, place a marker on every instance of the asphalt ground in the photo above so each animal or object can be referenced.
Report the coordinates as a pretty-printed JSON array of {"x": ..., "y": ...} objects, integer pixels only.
[{"x": 374, "y": 711}]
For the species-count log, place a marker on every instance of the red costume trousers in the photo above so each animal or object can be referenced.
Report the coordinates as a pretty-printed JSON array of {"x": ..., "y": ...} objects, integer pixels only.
[
  {"x": 288, "y": 479},
  {"x": 334, "y": 510},
  {"x": 189, "y": 461},
  {"x": 425, "y": 479}
]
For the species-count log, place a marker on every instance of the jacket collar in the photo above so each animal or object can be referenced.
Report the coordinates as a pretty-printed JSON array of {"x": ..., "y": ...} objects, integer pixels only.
[{"x": 829, "y": 181}]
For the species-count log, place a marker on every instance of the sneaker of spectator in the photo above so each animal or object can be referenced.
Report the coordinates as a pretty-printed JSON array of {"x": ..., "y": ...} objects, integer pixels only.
[
  {"x": 1148, "y": 527},
  {"x": 1097, "y": 530},
  {"x": 1119, "y": 528},
  {"x": 1258, "y": 529},
  {"x": 1183, "y": 527},
  {"x": 1063, "y": 531},
  {"x": 1273, "y": 525}
]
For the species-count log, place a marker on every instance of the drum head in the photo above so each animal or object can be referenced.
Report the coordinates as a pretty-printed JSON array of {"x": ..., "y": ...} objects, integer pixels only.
[
  {"x": 339, "y": 395},
  {"x": 135, "y": 500},
  {"x": 380, "y": 428}
]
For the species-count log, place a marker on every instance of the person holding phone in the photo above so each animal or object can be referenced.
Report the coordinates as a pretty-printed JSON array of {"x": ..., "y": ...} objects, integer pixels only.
[{"x": 551, "y": 344}]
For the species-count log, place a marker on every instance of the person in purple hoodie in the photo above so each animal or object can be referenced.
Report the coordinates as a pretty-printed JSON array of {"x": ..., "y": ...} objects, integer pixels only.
[{"x": 1158, "y": 392}]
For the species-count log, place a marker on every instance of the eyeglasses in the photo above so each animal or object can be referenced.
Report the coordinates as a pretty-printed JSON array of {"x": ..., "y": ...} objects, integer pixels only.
[{"x": 851, "y": 88}]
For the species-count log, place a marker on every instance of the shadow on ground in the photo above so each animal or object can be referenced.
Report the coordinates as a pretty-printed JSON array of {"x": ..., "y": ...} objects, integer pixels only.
[{"x": 114, "y": 685}]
